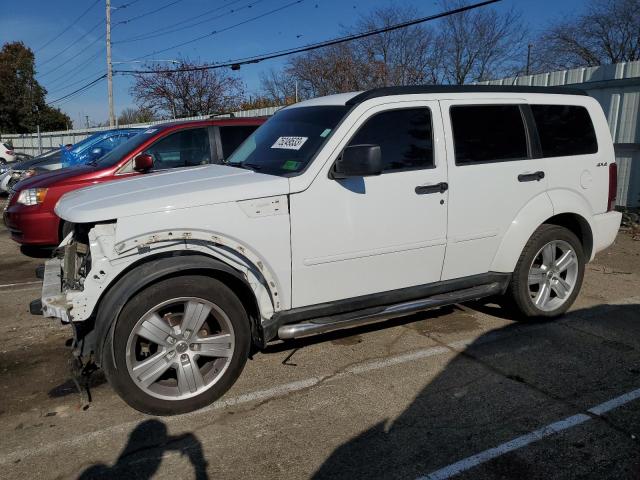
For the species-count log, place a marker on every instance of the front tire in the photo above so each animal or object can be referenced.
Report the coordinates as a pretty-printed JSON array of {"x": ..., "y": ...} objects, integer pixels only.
[
  {"x": 549, "y": 273},
  {"x": 177, "y": 345}
]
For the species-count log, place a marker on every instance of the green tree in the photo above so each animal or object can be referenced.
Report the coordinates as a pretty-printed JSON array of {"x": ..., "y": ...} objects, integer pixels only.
[{"x": 22, "y": 98}]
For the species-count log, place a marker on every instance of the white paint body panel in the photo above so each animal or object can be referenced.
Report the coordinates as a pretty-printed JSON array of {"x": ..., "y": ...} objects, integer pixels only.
[{"x": 366, "y": 235}]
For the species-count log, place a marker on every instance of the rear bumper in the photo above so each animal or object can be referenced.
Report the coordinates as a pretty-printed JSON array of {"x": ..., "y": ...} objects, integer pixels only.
[
  {"x": 31, "y": 225},
  {"x": 54, "y": 301},
  {"x": 605, "y": 228}
]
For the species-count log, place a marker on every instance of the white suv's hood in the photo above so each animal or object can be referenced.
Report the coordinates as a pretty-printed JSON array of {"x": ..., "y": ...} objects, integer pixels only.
[{"x": 165, "y": 191}]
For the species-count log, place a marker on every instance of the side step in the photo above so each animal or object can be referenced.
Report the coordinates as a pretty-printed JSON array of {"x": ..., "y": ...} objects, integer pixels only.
[{"x": 379, "y": 314}]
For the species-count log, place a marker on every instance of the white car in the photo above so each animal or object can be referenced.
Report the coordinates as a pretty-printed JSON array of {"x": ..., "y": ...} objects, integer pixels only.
[
  {"x": 7, "y": 155},
  {"x": 339, "y": 211}
]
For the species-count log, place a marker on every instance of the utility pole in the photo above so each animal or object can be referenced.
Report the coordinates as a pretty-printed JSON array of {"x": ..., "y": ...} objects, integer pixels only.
[
  {"x": 528, "y": 59},
  {"x": 112, "y": 119}
]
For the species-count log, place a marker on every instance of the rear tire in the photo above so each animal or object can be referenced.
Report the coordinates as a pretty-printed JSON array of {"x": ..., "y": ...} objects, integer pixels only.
[
  {"x": 177, "y": 345},
  {"x": 549, "y": 273}
]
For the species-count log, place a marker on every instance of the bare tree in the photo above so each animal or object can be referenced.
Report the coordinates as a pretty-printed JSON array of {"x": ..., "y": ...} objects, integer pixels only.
[
  {"x": 607, "y": 32},
  {"x": 480, "y": 44},
  {"x": 187, "y": 93},
  {"x": 407, "y": 56},
  {"x": 132, "y": 115},
  {"x": 330, "y": 70},
  {"x": 279, "y": 87}
]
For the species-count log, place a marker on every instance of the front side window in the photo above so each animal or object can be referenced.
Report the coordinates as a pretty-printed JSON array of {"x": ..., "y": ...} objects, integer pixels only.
[
  {"x": 288, "y": 141},
  {"x": 564, "y": 130},
  {"x": 404, "y": 136},
  {"x": 181, "y": 149},
  {"x": 488, "y": 133}
]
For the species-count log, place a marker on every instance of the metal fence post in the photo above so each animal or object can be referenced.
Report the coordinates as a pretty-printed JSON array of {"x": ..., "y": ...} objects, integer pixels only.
[{"x": 39, "y": 140}]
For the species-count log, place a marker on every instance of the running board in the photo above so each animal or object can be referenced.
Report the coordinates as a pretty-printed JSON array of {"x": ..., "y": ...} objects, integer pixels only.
[{"x": 379, "y": 314}]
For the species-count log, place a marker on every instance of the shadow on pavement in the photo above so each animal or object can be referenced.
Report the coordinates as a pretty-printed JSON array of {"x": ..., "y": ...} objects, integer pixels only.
[
  {"x": 36, "y": 252},
  {"x": 496, "y": 390},
  {"x": 142, "y": 456}
]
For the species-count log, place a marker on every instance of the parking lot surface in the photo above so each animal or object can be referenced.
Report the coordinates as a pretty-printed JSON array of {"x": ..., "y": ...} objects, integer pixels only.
[{"x": 465, "y": 392}]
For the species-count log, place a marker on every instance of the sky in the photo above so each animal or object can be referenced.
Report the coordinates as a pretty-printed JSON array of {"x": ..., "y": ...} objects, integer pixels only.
[{"x": 71, "y": 54}]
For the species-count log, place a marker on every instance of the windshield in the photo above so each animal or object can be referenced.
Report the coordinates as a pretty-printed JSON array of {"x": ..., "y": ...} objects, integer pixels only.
[
  {"x": 288, "y": 141},
  {"x": 115, "y": 155}
]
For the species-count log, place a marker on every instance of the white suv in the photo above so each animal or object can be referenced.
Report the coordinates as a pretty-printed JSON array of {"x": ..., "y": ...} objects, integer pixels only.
[{"x": 339, "y": 211}]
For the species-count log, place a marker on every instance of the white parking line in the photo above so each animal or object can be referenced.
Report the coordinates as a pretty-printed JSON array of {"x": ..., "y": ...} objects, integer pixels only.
[{"x": 524, "y": 440}]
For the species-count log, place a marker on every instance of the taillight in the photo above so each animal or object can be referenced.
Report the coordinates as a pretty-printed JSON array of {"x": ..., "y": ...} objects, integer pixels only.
[
  {"x": 9, "y": 152},
  {"x": 613, "y": 187}
]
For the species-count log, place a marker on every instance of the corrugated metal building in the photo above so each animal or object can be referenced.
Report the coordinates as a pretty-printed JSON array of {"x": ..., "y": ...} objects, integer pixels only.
[{"x": 617, "y": 88}]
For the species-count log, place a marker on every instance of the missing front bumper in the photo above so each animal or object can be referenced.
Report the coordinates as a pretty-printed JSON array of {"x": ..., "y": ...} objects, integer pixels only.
[{"x": 54, "y": 301}]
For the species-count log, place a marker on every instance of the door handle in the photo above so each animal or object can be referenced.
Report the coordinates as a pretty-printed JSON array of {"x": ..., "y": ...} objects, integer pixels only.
[
  {"x": 437, "y": 188},
  {"x": 531, "y": 177}
]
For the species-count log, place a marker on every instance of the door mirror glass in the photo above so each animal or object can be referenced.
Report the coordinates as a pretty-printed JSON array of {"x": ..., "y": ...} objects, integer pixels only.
[
  {"x": 358, "y": 161},
  {"x": 143, "y": 162}
]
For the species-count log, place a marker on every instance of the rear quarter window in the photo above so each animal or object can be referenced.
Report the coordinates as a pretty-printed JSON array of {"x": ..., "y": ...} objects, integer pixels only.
[{"x": 564, "y": 130}]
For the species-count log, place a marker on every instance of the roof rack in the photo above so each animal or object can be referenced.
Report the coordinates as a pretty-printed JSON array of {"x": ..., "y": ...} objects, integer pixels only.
[{"x": 415, "y": 89}]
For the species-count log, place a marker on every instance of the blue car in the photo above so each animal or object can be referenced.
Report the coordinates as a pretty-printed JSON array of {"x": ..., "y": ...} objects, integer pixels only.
[
  {"x": 85, "y": 151},
  {"x": 95, "y": 146}
]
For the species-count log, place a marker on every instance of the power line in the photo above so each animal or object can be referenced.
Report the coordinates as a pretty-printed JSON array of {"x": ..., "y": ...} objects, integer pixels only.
[
  {"x": 75, "y": 42},
  {"x": 79, "y": 90},
  {"x": 77, "y": 82},
  {"x": 150, "y": 12},
  {"x": 160, "y": 32},
  {"x": 314, "y": 46},
  {"x": 66, "y": 29},
  {"x": 66, "y": 63},
  {"x": 215, "y": 32}
]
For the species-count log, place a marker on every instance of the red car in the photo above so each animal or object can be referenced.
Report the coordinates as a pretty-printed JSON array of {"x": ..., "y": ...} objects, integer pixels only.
[{"x": 29, "y": 215}]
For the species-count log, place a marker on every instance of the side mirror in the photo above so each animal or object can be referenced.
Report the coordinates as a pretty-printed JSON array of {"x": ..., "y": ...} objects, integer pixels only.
[
  {"x": 358, "y": 161},
  {"x": 143, "y": 163}
]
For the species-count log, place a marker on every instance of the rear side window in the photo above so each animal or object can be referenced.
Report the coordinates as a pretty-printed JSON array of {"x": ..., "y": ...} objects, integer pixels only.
[
  {"x": 404, "y": 136},
  {"x": 232, "y": 136},
  {"x": 564, "y": 130},
  {"x": 488, "y": 133}
]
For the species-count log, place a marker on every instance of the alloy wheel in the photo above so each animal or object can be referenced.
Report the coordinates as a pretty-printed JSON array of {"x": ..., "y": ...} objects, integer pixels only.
[{"x": 180, "y": 348}]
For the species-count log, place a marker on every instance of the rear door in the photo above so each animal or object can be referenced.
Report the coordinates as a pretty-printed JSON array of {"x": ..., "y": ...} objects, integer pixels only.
[{"x": 492, "y": 176}]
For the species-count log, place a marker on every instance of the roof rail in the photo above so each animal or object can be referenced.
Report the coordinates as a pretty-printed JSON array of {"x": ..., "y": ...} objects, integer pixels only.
[{"x": 416, "y": 89}]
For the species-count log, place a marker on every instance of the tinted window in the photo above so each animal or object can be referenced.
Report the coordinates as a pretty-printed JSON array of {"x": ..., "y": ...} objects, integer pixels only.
[
  {"x": 488, "y": 133},
  {"x": 181, "y": 149},
  {"x": 564, "y": 130},
  {"x": 404, "y": 137},
  {"x": 287, "y": 142},
  {"x": 232, "y": 136}
]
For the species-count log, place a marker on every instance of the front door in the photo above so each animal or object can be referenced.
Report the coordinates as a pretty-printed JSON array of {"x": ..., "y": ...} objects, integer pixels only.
[{"x": 360, "y": 236}]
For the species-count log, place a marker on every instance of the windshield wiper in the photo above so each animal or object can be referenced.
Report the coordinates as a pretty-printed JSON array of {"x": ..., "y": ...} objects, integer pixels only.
[{"x": 247, "y": 165}]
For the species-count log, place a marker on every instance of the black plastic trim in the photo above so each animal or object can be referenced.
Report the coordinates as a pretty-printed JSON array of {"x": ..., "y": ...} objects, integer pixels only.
[{"x": 433, "y": 89}]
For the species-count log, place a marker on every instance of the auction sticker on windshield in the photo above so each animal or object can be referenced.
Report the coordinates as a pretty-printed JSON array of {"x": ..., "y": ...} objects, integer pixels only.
[{"x": 290, "y": 143}]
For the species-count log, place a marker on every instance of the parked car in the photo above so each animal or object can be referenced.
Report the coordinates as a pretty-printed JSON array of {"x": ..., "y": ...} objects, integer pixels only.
[
  {"x": 339, "y": 211},
  {"x": 7, "y": 154},
  {"x": 85, "y": 151},
  {"x": 30, "y": 215}
]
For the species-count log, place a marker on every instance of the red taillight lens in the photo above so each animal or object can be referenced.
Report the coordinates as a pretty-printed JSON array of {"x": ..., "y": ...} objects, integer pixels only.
[
  {"x": 9, "y": 152},
  {"x": 613, "y": 187}
]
